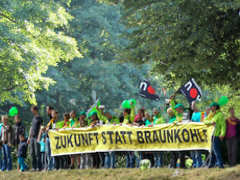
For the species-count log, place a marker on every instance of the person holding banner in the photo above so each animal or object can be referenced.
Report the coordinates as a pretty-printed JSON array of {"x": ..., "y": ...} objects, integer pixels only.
[
  {"x": 157, "y": 120},
  {"x": 139, "y": 120},
  {"x": 66, "y": 119},
  {"x": 196, "y": 117},
  {"x": 81, "y": 158},
  {"x": 178, "y": 110},
  {"x": 219, "y": 134},
  {"x": 96, "y": 156},
  {"x": 129, "y": 115},
  {"x": 58, "y": 160},
  {"x": 73, "y": 118}
]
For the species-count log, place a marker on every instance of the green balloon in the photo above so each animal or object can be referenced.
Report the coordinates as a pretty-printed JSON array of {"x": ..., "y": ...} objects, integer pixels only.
[
  {"x": 13, "y": 111},
  {"x": 126, "y": 104},
  {"x": 133, "y": 101},
  {"x": 223, "y": 101}
]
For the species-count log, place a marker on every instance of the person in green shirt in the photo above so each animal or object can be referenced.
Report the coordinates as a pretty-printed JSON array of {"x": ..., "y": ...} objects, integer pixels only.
[
  {"x": 158, "y": 155},
  {"x": 178, "y": 110},
  {"x": 218, "y": 120},
  {"x": 73, "y": 118},
  {"x": 128, "y": 115},
  {"x": 157, "y": 118},
  {"x": 172, "y": 117},
  {"x": 149, "y": 120}
]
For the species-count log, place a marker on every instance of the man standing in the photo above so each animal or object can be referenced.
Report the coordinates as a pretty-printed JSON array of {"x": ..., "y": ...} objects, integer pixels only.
[
  {"x": 219, "y": 133},
  {"x": 6, "y": 137},
  {"x": 32, "y": 139}
]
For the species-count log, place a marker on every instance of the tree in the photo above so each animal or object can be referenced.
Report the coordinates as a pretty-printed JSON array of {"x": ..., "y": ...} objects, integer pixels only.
[
  {"x": 32, "y": 38},
  {"x": 185, "y": 38},
  {"x": 97, "y": 29}
]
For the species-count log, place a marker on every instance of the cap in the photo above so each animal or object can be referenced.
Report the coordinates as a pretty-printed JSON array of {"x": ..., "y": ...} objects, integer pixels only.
[{"x": 179, "y": 106}]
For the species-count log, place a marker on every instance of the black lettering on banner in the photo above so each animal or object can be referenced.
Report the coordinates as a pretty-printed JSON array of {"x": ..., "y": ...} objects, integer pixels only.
[
  {"x": 194, "y": 134},
  {"x": 155, "y": 137},
  {"x": 160, "y": 135},
  {"x": 90, "y": 138},
  {"x": 184, "y": 134},
  {"x": 69, "y": 140},
  {"x": 201, "y": 139},
  {"x": 84, "y": 139},
  {"x": 57, "y": 144},
  {"x": 117, "y": 138},
  {"x": 77, "y": 143},
  {"x": 170, "y": 136},
  {"x": 123, "y": 136},
  {"x": 148, "y": 136},
  {"x": 96, "y": 136},
  {"x": 140, "y": 137},
  {"x": 110, "y": 133},
  {"x": 176, "y": 135},
  {"x": 129, "y": 136},
  {"x": 63, "y": 144},
  {"x": 205, "y": 134},
  {"x": 104, "y": 140}
]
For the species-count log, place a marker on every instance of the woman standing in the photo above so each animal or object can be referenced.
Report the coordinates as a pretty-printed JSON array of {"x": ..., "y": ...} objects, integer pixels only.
[{"x": 231, "y": 138}]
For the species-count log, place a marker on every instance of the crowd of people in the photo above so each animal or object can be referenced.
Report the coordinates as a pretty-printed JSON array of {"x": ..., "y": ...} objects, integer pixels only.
[{"x": 38, "y": 142}]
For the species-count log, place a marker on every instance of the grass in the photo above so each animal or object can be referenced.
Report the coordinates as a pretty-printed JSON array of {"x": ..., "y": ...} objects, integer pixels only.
[{"x": 127, "y": 174}]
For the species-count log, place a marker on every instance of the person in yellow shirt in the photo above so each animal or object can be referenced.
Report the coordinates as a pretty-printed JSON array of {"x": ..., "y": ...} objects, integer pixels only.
[{"x": 217, "y": 119}]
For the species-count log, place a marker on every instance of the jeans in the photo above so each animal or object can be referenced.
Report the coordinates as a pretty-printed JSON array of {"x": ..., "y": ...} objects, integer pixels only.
[
  {"x": 173, "y": 161},
  {"x": 232, "y": 149},
  {"x": 157, "y": 156},
  {"x": 96, "y": 160},
  {"x": 35, "y": 153},
  {"x": 50, "y": 160},
  {"x": 197, "y": 159},
  {"x": 89, "y": 163},
  {"x": 84, "y": 158},
  {"x": 22, "y": 164},
  {"x": 130, "y": 159},
  {"x": 109, "y": 161},
  {"x": 7, "y": 159},
  {"x": 43, "y": 160},
  {"x": 139, "y": 157},
  {"x": 216, "y": 157},
  {"x": 102, "y": 158}
]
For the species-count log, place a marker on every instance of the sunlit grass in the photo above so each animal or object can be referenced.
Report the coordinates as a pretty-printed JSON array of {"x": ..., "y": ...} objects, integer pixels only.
[{"x": 127, "y": 174}]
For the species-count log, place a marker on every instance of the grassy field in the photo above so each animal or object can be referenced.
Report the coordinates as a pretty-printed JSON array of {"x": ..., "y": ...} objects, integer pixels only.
[{"x": 127, "y": 174}]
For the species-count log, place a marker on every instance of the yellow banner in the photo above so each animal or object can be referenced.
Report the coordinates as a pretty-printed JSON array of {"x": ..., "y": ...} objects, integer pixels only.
[{"x": 165, "y": 137}]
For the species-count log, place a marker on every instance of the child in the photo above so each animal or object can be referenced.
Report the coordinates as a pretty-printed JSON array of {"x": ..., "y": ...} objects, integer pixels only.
[
  {"x": 42, "y": 141},
  {"x": 22, "y": 153}
]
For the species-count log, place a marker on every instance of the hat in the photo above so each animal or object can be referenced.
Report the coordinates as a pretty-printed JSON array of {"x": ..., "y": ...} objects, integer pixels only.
[
  {"x": 92, "y": 113},
  {"x": 82, "y": 113},
  {"x": 214, "y": 104},
  {"x": 179, "y": 106}
]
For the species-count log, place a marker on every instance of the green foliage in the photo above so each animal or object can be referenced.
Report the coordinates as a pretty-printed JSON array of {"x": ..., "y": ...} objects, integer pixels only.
[
  {"x": 185, "y": 38},
  {"x": 97, "y": 29},
  {"x": 31, "y": 40}
]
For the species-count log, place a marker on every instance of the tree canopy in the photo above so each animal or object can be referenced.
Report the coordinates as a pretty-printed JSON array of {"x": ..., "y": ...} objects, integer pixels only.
[
  {"x": 32, "y": 38},
  {"x": 185, "y": 38}
]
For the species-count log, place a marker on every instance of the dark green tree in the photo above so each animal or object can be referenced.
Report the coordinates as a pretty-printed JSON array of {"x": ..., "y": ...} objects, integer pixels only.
[{"x": 185, "y": 38}]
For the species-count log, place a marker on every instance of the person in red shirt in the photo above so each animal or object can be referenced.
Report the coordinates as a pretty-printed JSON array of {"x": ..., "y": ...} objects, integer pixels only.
[{"x": 231, "y": 138}]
